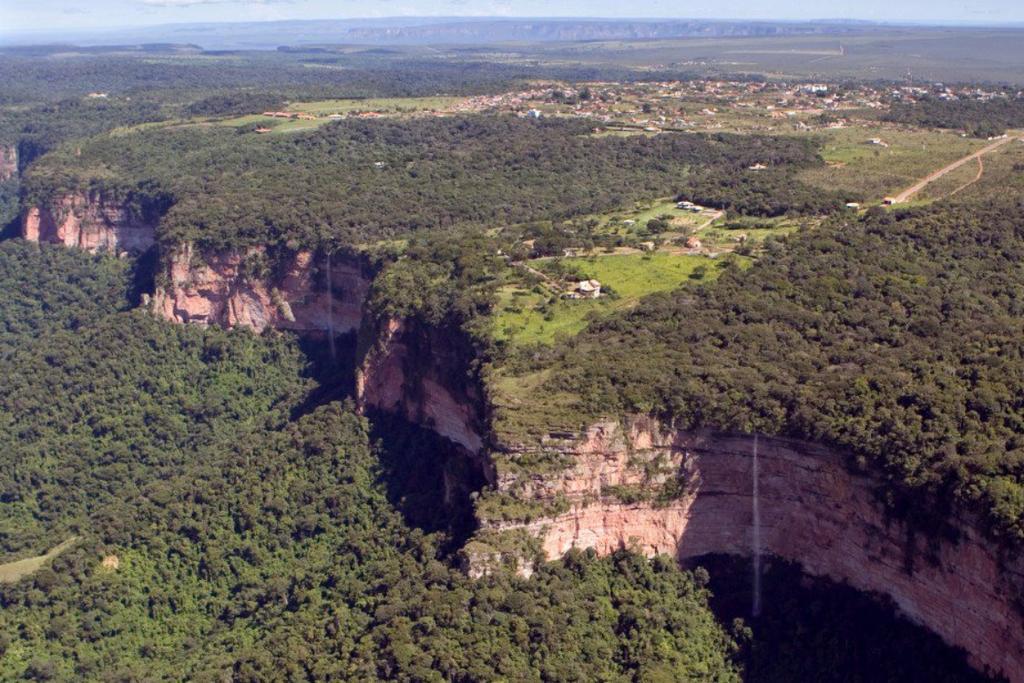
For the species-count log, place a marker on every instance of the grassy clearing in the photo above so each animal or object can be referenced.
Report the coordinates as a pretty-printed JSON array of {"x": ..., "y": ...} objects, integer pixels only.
[
  {"x": 614, "y": 222},
  {"x": 388, "y": 105},
  {"x": 12, "y": 572},
  {"x": 872, "y": 172},
  {"x": 723, "y": 234},
  {"x": 1004, "y": 174},
  {"x": 322, "y": 109},
  {"x": 527, "y": 316}
]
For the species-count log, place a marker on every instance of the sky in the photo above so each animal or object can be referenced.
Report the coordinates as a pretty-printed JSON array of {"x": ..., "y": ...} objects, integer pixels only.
[{"x": 58, "y": 15}]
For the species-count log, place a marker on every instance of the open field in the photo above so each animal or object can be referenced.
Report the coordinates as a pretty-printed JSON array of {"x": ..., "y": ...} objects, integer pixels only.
[
  {"x": 525, "y": 316},
  {"x": 930, "y": 54},
  {"x": 912, "y": 191},
  {"x": 384, "y": 105},
  {"x": 723, "y": 235},
  {"x": 871, "y": 172},
  {"x": 322, "y": 109},
  {"x": 17, "y": 570},
  {"x": 1003, "y": 176},
  {"x": 615, "y": 222}
]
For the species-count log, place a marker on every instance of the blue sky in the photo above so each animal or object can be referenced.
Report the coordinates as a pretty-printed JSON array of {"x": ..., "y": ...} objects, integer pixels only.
[{"x": 18, "y": 15}]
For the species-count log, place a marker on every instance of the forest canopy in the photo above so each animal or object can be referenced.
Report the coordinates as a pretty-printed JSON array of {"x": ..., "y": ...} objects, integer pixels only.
[
  {"x": 354, "y": 182},
  {"x": 894, "y": 336}
]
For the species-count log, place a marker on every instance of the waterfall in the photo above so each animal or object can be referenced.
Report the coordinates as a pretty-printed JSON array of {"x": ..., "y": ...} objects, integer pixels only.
[
  {"x": 755, "y": 608},
  {"x": 330, "y": 310}
]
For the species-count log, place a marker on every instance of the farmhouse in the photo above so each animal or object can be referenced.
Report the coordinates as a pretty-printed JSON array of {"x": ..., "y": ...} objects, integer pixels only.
[{"x": 585, "y": 289}]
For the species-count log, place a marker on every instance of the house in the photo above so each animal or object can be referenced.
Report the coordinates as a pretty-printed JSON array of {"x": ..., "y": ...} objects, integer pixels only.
[{"x": 588, "y": 289}]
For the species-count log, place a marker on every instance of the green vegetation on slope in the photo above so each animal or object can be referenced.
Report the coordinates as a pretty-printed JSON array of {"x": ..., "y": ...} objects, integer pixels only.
[
  {"x": 897, "y": 336},
  {"x": 527, "y": 316},
  {"x": 354, "y": 182},
  {"x": 222, "y": 537}
]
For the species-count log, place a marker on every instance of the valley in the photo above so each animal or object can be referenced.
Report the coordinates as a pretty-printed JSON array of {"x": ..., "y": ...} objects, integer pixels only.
[{"x": 474, "y": 382}]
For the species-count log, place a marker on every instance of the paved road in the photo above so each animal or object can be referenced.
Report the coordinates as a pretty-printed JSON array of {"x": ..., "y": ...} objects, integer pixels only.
[{"x": 911, "y": 191}]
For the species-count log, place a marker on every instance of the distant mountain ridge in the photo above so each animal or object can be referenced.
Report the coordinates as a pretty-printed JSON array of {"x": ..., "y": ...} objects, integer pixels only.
[
  {"x": 569, "y": 30},
  {"x": 428, "y": 30}
]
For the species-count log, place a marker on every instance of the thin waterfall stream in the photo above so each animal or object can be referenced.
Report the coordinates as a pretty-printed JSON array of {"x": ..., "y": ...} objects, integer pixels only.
[
  {"x": 330, "y": 311},
  {"x": 755, "y": 608}
]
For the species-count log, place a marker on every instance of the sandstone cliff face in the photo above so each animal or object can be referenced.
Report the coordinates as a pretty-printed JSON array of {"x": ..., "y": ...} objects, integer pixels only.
[
  {"x": 8, "y": 162},
  {"x": 421, "y": 373},
  {"x": 89, "y": 221},
  {"x": 813, "y": 511},
  {"x": 214, "y": 289}
]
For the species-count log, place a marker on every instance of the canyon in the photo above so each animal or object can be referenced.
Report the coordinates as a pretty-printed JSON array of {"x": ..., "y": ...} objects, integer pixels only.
[
  {"x": 815, "y": 510},
  {"x": 633, "y": 482}
]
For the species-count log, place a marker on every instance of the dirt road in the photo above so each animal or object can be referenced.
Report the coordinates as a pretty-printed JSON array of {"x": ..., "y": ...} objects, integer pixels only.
[{"x": 911, "y": 191}]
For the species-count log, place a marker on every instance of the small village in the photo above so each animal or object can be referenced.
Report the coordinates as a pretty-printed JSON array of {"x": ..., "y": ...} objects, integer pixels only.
[{"x": 676, "y": 106}]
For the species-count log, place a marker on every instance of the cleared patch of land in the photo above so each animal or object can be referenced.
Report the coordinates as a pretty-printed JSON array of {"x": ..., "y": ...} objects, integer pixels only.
[
  {"x": 932, "y": 177},
  {"x": 324, "y": 110},
  {"x": 527, "y": 315},
  {"x": 900, "y": 157},
  {"x": 12, "y": 572}
]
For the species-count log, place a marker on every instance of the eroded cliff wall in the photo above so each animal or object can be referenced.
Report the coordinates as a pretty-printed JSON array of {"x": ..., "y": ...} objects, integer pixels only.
[
  {"x": 90, "y": 221},
  {"x": 299, "y": 293},
  {"x": 8, "y": 162},
  {"x": 813, "y": 510},
  {"x": 422, "y": 373}
]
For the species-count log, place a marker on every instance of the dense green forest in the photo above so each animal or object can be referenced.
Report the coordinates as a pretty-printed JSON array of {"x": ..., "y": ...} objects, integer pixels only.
[
  {"x": 358, "y": 181},
  {"x": 226, "y": 526},
  {"x": 895, "y": 335},
  {"x": 47, "y": 73},
  {"x": 980, "y": 118},
  {"x": 257, "y": 536}
]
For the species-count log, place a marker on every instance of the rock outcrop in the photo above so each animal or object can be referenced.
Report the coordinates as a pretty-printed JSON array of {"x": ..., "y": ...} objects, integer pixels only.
[
  {"x": 422, "y": 373},
  {"x": 90, "y": 221},
  {"x": 223, "y": 289},
  {"x": 689, "y": 494},
  {"x": 638, "y": 484},
  {"x": 8, "y": 162}
]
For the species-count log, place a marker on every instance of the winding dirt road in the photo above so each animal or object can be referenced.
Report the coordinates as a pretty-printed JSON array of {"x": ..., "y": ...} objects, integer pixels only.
[{"x": 921, "y": 184}]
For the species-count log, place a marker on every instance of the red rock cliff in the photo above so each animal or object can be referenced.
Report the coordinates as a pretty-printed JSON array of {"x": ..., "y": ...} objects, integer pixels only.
[
  {"x": 8, "y": 162},
  {"x": 814, "y": 511},
  {"x": 422, "y": 373},
  {"x": 88, "y": 221},
  {"x": 214, "y": 289}
]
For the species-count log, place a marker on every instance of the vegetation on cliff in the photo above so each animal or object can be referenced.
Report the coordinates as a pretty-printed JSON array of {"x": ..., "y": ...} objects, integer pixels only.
[
  {"x": 228, "y": 529},
  {"x": 896, "y": 336}
]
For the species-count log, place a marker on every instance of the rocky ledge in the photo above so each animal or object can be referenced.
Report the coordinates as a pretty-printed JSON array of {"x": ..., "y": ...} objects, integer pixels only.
[
  {"x": 636, "y": 484},
  {"x": 645, "y": 486},
  {"x": 301, "y": 292},
  {"x": 8, "y": 162},
  {"x": 90, "y": 221}
]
